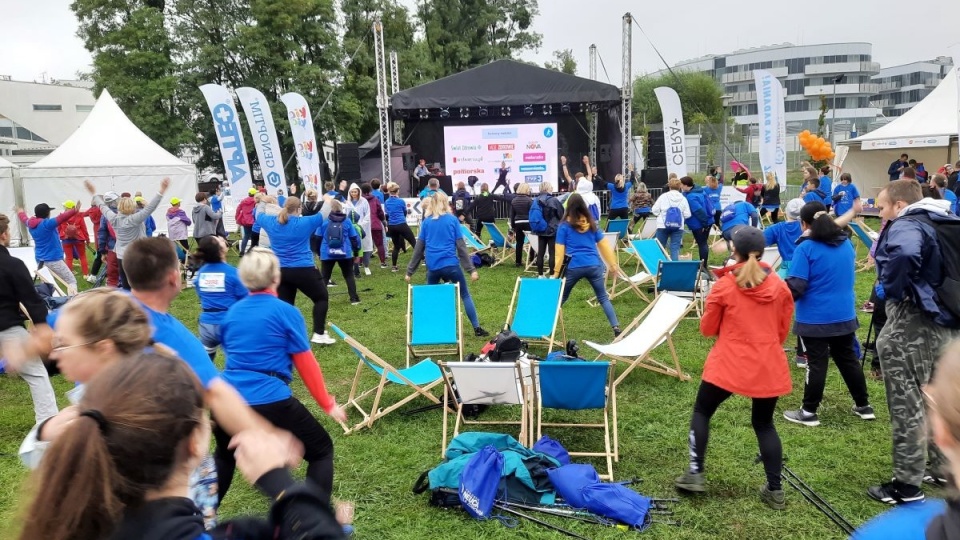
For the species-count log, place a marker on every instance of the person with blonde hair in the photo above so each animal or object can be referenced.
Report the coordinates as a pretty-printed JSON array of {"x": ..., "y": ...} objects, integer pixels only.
[
  {"x": 290, "y": 238},
  {"x": 749, "y": 311},
  {"x": 397, "y": 227},
  {"x": 339, "y": 241},
  {"x": 520, "y": 218},
  {"x": 672, "y": 210},
  {"x": 642, "y": 202},
  {"x": 770, "y": 197},
  {"x": 127, "y": 220},
  {"x": 441, "y": 245},
  {"x": 619, "y": 195}
]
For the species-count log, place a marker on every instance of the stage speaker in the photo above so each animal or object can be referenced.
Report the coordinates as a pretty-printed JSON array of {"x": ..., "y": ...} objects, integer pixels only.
[
  {"x": 604, "y": 153},
  {"x": 656, "y": 150},
  {"x": 654, "y": 178},
  {"x": 348, "y": 162},
  {"x": 409, "y": 161}
]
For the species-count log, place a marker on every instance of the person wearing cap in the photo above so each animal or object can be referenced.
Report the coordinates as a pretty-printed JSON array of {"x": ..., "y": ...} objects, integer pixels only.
[
  {"x": 821, "y": 278},
  {"x": 150, "y": 225},
  {"x": 245, "y": 218},
  {"x": 177, "y": 223},
  {"x": 74, "y": 237},
  {"x": 106, "y": 243},
  {"x": 127, "y": 220},
  {"x": 749, "y": 310},
  {"x": 737, "y": 214},
  {"x": 46, "y": 239}
]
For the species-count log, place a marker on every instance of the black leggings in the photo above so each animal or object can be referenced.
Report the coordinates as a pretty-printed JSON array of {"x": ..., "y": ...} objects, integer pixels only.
[
  {"x": 618, "y": 213},
  {"x": 479, "y": 221},
  {"x": 399, "y": 234},
  {"x": 308, "y": 281},
  {"x": 185, "y": 244},
  {"x": 519, "y": 230},
  {"x": 547, "y": 245},
  {"x": 290, "y": 415},
  {"x": 819, "y": 351},
  {"x": 346, "y": 268},
  {"x": 709, "y": 398},
  {"x": 774, "y": 214}
]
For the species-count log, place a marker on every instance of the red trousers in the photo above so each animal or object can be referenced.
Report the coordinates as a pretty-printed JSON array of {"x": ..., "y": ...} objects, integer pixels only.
[
  {"x": 378, "y": 244},
  {"x": 113, "y": 269},
  {"x": 69, "y": 246}
]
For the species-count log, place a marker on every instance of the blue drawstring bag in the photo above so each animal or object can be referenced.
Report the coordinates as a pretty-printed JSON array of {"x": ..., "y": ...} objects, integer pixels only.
[
  {"x": 479, "y": 481},
  {"x": 570, "y": 480},
  {"x": 552, "y": 448},
  {"x": 616, "y": 501}
]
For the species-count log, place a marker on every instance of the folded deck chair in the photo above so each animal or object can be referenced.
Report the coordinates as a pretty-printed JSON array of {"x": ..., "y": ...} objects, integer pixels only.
[
  {"x": 579, "y": 386},
  {"x": 420, "y": 379},
  {"x": 474, "y": 244},
  {"x": 653, "y": 327},
  {"x": 535, "y": 310},
  {"x": 619, "y": 226},
  {"x": 501, "y": 248},
  {"x": 681, "y": 278},
  {"x": 434, "y": 324},
  {"x": 532, "y": 248},
  {"x": 484, "y": 383},
  {"x": 867, "y": 237}
]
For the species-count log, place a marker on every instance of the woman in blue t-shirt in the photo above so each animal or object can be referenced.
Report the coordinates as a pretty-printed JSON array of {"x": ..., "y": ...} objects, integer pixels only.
[
  {"x": 397, "y": 228},
  {"x": 264, "y": 339},
  {"x": 218, "y": 286},
  {"x": 619, "y": 200},
  {"x": 339, "y": 241},
  {"x": 821, "y": 278},
  {"x": 442, "y": 247},
  {"x": 581, "y": 242}
]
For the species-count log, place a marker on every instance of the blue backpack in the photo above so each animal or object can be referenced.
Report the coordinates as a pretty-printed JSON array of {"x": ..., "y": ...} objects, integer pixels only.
[
  {"x": 480, "y": 481},
  {"x": 552, "y": 448},
  {"x": 618, "y": 502},
  {"x": 538, "y": 223},
  {"x": 673, "y": 219},
  {"x": 333, "y": 238},
  {"x": 570, "y": 480}
]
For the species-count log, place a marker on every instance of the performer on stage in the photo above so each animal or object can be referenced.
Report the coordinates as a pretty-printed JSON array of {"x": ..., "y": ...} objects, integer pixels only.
[
  {"x": 502, "y": 180},
  {"x": 421, "y": 170}
]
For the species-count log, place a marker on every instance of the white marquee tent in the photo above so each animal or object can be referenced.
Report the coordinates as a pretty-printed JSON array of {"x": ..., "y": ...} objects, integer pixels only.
[
  {"x": 109, "y": 150},
  {"x": 8, "y": 197},
  {"x": 927, "y": 133}
]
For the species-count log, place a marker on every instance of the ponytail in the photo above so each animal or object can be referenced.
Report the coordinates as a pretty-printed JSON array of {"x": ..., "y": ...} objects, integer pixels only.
[
  {"x": 291, "y": 206},
  {"x": 751, "y": 273}
]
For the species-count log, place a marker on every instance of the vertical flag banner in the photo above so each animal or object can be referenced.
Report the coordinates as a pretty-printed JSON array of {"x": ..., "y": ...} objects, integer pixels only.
[
  {"x": 674, "y": 137},
  {"x": 301, "y": 127},
  {"x": 226, "y": 124},
  {"x": 264, "y": 133},
  {"x": 955, "y": 52},
  {"x": 773, "y": 132}
]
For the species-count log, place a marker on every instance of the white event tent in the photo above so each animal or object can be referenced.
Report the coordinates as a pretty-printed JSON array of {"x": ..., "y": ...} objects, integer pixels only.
[
  {"x": 8, "y": 198},
  {"x": 110, "y": 151},
  {"x": 927, "y": 133}
]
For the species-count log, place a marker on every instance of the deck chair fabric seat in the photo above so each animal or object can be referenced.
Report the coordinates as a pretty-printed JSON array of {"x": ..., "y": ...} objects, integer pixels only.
[
  {"x": 420, "y": 379},
  {"x": 434, "y": 323},
  {"x": 502, "y": 248},
  {"x": 619, "y": 226},
  {"x": 535, "y": 310},
  {"x": 484, "y": 383},
  {"x": 471, "y": 240},
  {"x": 681, "y": 278},
  {"x": 28, "y": 256}
]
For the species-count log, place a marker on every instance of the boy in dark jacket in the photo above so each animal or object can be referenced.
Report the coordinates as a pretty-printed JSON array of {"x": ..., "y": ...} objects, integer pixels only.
[{"x": 701, "y": 217}]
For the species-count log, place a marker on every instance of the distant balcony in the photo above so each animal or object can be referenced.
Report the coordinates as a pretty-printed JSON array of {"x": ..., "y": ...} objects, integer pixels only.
[
  {"x": 842, "y": 89},
  {"x": 888, "y": 86},
  {"x": 747, "y": 76},
  {"x": 743, "y": 97},
  {"x": 841, "y": 67}
]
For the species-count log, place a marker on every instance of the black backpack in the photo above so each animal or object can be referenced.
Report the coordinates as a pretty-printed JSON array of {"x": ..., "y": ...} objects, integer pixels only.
[
  {"x": 507, "y": 347},
  {"x": 948, "y": 238}
]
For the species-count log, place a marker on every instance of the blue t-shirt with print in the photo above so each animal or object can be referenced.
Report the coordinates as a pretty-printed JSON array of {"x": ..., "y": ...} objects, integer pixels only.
[
  {"x": 784, "y": 235},
  {"x": 581, "y": 247},
  {"x": 218, "y": 286},
  {"x": 849, "y": 194},
  {"x": 829, "y": 272},
  {"x": 440, "y": 237}
]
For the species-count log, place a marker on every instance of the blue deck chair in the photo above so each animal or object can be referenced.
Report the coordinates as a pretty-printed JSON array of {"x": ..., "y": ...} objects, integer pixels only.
[
  {"x": 473, "y": 242},
  {"x": 420, "y": 379},
  {"x": 535, "y": 310},
  {"x": 619, "y": 226},
  {"x": 866, "y": 237},
  {"x": 649, "y": 254},
  {"x": 434, "y": 324},
  {"x": 681, "y": 278},
  {"x": 501, "y": 248},
  {"x": 578, "y": 386},
  {"x": 619, "y": 281}
]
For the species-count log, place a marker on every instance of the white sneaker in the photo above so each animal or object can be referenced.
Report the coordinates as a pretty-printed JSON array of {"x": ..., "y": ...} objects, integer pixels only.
[
  {"x": 322, "y": 339},
  {"x": 89, "y": 278},
  {"x": 367, "y": 271}
]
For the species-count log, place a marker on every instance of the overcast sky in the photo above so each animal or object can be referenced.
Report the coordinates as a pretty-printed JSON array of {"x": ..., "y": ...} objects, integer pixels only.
[{"x": 39, "y": 36}]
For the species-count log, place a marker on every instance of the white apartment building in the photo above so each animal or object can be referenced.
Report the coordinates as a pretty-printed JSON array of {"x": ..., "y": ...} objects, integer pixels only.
[
  {"x": 902, "y": 87},
  {"x": 35, "y": 117}
]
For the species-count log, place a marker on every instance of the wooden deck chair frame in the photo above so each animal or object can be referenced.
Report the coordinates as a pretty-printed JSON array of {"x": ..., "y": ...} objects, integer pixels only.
[
  {"x": 417, "y": 351},
  {"x": 531, "y": 249},
  {"x": 45, "y": 275},
  {"x": 550, "y": 341},
  {"x": 617, "y": 278},
  {"x": 645, "y": 360},
  {"x": 863, "y": 233},
  {"x": 500, "y": 253},
  {"x": 622, "y": 228},
  {"x": 357, "y": 396},
  {"x": 698, "y": 295},
  {"x": 474, "y": 243},
  {"x": 457, "y": 408},
  {"x": 612, "y": 451}
]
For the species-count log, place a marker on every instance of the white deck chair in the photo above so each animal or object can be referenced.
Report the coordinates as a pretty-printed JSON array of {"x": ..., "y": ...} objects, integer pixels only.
[
  {"x": 47, "y": 276},
  {"x": 484, "y": 383},
  {"x": 654, "y": 326},
  {"x": 532, "y": 248},
  {"x": 649, "y": 228},
  {"x": 771, "y": 256}
]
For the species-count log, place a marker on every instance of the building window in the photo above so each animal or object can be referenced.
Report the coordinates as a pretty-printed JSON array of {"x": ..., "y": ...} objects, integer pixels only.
[
  {"x": 794, "y": 87},
  {"x": 6, "y": 131},
  {"x": 47, "y": 107},
  {"x": 84, "y": 108}
]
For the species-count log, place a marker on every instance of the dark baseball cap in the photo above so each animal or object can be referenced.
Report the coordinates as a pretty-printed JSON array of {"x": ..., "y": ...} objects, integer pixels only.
[
  {"x": 747, "y": 240},
  {"x": 42, "y": 210}
]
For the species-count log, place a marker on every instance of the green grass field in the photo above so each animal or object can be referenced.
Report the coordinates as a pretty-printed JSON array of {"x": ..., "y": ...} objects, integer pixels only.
[{"x": 376, "y": 468}]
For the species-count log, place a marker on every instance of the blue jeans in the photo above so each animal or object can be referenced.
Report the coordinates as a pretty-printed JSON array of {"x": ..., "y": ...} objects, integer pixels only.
[
  {"x": 210, "y": 337},
  {"x": 671, "y": 241},
  {"x": 595, "y": 275},
  {"x": 453, "y": 274}
]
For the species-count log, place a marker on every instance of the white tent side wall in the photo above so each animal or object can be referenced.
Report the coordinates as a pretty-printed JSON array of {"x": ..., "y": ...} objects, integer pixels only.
[
  {"x": 869, "y": 167},
  {"x": 8, "y": 199}
]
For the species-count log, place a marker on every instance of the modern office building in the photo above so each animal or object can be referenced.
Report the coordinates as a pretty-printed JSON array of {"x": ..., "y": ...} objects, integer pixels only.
[
  {"x": 902, "y": 87},
  {"x": 806, "y": 72},
  {"x": 35, "y": 118}
]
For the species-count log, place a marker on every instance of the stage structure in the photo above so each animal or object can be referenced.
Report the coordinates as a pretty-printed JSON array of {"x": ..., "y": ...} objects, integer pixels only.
[
  {"x": 382, "y": 100},
  {"x": 593, "y": 115},
  {"x": 503, "y": 100},
  {"x": 626, "y": 112}
]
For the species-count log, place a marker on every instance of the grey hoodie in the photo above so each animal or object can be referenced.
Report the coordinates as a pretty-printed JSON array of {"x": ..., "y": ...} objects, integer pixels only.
[
  {"x": 127, "y": 227},
  {"x": 205, "y": 220}
]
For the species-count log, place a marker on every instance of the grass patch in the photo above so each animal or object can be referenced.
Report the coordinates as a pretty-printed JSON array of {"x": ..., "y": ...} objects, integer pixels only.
[{"x": 376, "y": 468}]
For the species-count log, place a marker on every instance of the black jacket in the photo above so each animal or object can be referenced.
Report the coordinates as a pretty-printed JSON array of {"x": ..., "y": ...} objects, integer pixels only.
[
  {"x": 297, "y": 512},
  {"x": 484, "y": 207},
  {"x": 771, "y": 197},
  {"x": 16, "y": 287},
  {"x": 520, "y": 209}
]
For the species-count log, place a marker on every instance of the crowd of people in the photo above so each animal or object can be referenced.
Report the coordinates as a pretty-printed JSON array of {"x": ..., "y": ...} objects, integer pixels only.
[{"x": 119, "y": 464}]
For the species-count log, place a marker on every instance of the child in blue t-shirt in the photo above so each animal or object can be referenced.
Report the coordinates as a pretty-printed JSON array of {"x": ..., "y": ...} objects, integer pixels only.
[
  {"x": 845, "y": 195},
  {"x": 785, "y": 234}
]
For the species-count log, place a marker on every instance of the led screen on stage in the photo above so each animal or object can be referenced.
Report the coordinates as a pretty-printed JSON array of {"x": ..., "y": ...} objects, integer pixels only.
[{"x": 529, "y": 152}]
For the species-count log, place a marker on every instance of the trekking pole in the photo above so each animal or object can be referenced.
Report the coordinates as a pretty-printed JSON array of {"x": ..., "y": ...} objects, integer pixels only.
[
  {"x": 843, "y": 527},
  {"x": 839, "y": 519},
  {"x": 537, "y": 521}
]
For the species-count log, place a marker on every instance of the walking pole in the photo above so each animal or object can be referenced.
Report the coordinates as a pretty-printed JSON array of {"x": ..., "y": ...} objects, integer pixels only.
[
  {"x": 537, "y": 521},
  {"x": 836, "y": 516}
]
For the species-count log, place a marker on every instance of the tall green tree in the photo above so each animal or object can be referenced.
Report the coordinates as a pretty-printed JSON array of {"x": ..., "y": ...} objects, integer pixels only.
[
  {"x": 132, "y": 59},
  {"x": 563, "y": 61},
  {"x": 700, "y": 98}
]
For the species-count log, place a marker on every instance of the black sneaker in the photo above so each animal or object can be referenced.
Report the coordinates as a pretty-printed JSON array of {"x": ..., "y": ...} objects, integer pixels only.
[
  {"x": 480, "y": 332},
  {"x": 801, "y": 416},
  {"x": 895, "y": 492},
  {"x": 934, "y": 479},
  {"x": 617, "y": 331},
  {"x": 865, "y": 412}
]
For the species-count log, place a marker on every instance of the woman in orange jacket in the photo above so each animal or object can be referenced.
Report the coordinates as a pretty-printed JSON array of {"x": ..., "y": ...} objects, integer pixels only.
[{"x": 749, "y": 310}]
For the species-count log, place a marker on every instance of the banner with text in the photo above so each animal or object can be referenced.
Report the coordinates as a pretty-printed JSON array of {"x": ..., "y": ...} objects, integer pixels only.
[
  {"x": 264, "y": 133},
  {"x": 674, "y": 138},
  {"x": 773, "y": 132},
  {"x": 527, "y": 151},
  {"x": 226, "y": 123},
  {"x": 301, "y": 127}
]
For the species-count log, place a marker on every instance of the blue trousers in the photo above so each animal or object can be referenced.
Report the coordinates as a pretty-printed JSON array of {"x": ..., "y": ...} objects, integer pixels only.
[
  {"x": 453, "y": 274},
  {"x": 595, "y": 275},
  {"x": 671, "y": 241}
]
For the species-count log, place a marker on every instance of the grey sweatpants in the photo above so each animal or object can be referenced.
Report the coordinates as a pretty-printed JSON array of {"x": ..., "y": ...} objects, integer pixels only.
[
  {"x": 33, "y": 372},
  {"x": 909, "y": 346},
  {"x": 62, "y": 271}
]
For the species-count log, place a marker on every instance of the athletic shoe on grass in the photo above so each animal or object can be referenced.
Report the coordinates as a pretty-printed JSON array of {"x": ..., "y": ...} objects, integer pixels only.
[
  {"x": 801, "y": 416},
  {"x": 480, "y": 332},
  {"x": 366, "y": 270},
  {"x": 772, "y": 497},
  {"x": 865, "y": 412},
  {"x": 322, "y": 339},
  {"x": 693, "y": 482},
  {"x": 934, "y": 479},
  {"x": 895, "y": 492}
]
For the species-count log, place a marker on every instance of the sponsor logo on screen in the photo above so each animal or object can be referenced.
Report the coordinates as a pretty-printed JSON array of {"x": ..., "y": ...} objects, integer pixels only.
[
  {"x": 533, "y": 168},
  {"x": 499, "y": 133},
  {"x": 466, "y": 159},
  {"x": 506, "y": 156},
  {"x": 466, "y": 147},
  {"x": 468, "y": 171},
  {"x": 534, "y": 156},
  {"x": 534, "y": 145},
  {"x": 500, "y": 147},
  {"x": 534, "y": 178}
]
